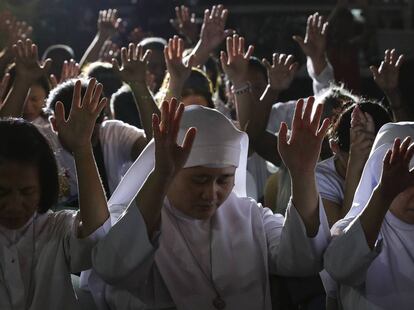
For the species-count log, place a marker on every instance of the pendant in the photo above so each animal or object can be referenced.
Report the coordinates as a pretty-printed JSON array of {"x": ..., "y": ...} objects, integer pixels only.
[{"x": 219, "y": 303}]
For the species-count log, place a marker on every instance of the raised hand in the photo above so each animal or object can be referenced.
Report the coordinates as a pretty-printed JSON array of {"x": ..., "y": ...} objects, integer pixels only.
[
  {"x": 69, "y": 70},
  {"x": 386, "y": 76},
  {"x": 173, "y": 54},
  {"x": 170, "y": 157},
  {"x": 314, "y": 44},
  {"x": 213, "y": 30},
  {"x": 235, "y": 63},
  {"x": 185, "y": 23},
  {"x": 75, "y": 132},
  {"x": 281, "y": 72},
  {"x": 362, "y": 135},
  {"x": 301, "y": 152},
  {"x": 396, "y": 175},
  {"x": 108, "y": 51},
  {"x": 28, "y": 67},
  {"x": 108, "y": 23},
  {"x": 134, "y": 64}
]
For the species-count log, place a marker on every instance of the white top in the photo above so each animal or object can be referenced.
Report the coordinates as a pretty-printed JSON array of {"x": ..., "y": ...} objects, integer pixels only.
[
  {"x": 50, "y": 240},
  {"x": 247, "y": 243},
  {"x": 382, "y": 278},
  {"x": 117, "y": 139},
  {"x": 330, "y": 183}
]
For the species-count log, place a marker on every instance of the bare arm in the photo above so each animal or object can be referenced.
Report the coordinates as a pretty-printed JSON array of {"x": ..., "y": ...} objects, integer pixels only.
[
  {"x": 28, "y": 70},
  {"x": 108, "y": 24},
  {"x": 300, "y": 155},
  {"x": 169, "y": 159},
  {"x": 76, "y": 133},
  {"x": 133, "y": 72}
]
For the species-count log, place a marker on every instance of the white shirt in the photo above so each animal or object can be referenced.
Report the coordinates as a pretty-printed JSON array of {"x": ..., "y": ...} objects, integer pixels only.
[
  {"x": 330, "y": 183},
  {"x": 248, "y": 242},
  {"x": 44, "y": 252}
]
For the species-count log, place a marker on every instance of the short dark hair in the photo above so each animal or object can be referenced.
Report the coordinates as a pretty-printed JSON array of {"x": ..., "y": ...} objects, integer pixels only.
[
  {"x": 64, "y": 93},
  {"x": 21, "y": 141},
  {"x": 104, "y": 74},
  {"x": 255, "y": 63},
  {"x": 198, "y": 83},
  {"x": 340, "y": 130},
  {"x": 153, "y": 43}
]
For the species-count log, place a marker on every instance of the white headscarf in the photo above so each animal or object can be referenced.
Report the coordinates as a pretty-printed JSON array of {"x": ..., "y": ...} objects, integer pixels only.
[
  {"x": 218, "y": 143},
  {"x": 373, "y": 167}
]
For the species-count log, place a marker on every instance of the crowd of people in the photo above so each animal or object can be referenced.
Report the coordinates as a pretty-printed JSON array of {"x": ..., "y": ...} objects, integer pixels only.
[{"x": 167, "y": 174}]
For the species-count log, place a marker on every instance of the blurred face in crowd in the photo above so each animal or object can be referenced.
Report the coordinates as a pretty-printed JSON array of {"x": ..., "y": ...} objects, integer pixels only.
[
  {"x": 19, "y": 193},
  {"x": 156, "y": 67},
  {"x": 403, "y": 206},
  {"x": 35, "y": 101},
  {"x": 199, "y": 191}
]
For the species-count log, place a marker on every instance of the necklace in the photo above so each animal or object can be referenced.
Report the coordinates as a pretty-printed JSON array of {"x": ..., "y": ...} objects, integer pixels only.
[{"x": 217, "y": 302}]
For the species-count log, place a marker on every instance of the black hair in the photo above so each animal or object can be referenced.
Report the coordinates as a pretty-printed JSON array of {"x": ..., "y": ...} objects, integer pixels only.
[
  {"x": 198, "y": 83},
  {"x": 43, "y": 81},
  {"x": 58, "y": 53},
  {"x": 64, "y": 93},
  {"x": 124, "y": 108},
  {"x": 104, "y": 74},
  {"x": 21, "y": 141},
  {"x": 153, "y": 43},
  {"x": 340, "y": 130}
]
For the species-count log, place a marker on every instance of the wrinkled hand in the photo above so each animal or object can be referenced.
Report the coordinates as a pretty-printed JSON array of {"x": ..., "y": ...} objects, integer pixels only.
[
  {"x": 396, "y": 175},
  {"x": 69, "y": 71},
  {"x": 3, "y": 88},
  {"x": 28, "y": 67},
  {"x": 281, "y": 72},
  {"x": 301, "y": 153},
  {"x": 170, "y": 157},
  {"x": 185, "y": 24},
  {"x": 75, "y": 133},
  {"x": 134, "y": 64},
  {"x": 235, "y": 63},
  {"x": 173, "y": 54},
  {"x": 108, "y": 23},
  {"x": 386, "y": 76},
  {"x": 362, "y": 135},
  {"x": 314, "y": 44},
  {"x": 212, "y": 31}
]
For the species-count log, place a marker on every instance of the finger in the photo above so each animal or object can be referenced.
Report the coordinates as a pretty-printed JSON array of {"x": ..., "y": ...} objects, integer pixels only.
[
  {"x": 374, "y": 71},
  {"x": 297, "y": 117},
  {"x": 387, "y": 56},
  {"x": 289, "y": 60},
  {"x": 59, "y": 114},
  {"x": 147, "y": 56},
  {"x": 115, "y": 65},
  {"x": 47, "y": 64},
  {"x": 282, "y": 136},
  {"x": 166, "y": 54},
  {"x": 3, "y": 85},
  {"x": 229, "y": 47},
  {"x": 124, "y": 56},
  {"x": 189, "y": 140},
  {"x": 404, "y": 146},
  {"x": 171, "y": 114},
  {"x": 395, "y": 151},
  {"x": 224, "y": 15},
  {"x": 178, "y": 15},
  {"x": 76, "y": 99},
  {"x": 387, "y": 158},
  {"x": 409, "y": 154},
  {"x": 308, "y": 110},
  {"x": 156, "y": 127},
  {"x": 266, "y": 64},
  {"x": 323, "y": 130},
  {"x": 180, "y": 48},
  {"x": 176, "y": 122},
  {"x": 299, "y": 40},
  {"x": 95, "y": 98},
  {"x": 317, "y": 117},
  {"x": 235, "y": 44},
  {"x": 102, "y": 104},
  {"x": 223, "y": 60},
  {"x": 324, "y": 28},
  {"x": 249, "y": 52},
  {"x": 131, "y": 51},
  {"x": 164, "y": 118},
  {"x": 392, "y": 57},
  {"x": 275, "y": 58},
  {"x": 240, "y": 50},
  {"x": 282, "y": 59},
  {"x": 89, "y": 91},
  {"x": 400, "y": 60},
  {"x": 53, "y": 80}
]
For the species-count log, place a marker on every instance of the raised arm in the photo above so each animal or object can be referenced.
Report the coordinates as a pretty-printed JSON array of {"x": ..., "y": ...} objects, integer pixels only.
[
  {"x": 212, "y": 34},
  {"x": 108, "y": 25},
  {"x": 133, "y": 72},
  {"x": 70, "y": 70},
  {"x": 185, "y": 24},
  {"x": 169, "y": 159},
  {"x": 300, "y": 153},
  {"x": 178, "y": 69},
  {"x": 28, "y": 70},
  {"x": 75, "y": 133},
  {"x": 395, "y": 178},
  {"x": 386, "y": 77}
]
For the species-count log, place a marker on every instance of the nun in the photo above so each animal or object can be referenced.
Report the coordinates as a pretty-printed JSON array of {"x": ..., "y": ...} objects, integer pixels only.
[
  {"x": 189, "y": 237},
  {"x": 371, "y": 254}
]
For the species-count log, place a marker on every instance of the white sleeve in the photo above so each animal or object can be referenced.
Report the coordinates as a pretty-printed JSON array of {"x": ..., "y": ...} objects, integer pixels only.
[
  {"x": 78, "y": 250},
  {"x": 280, "y": 112},
  {"x": 348, "y": 256},
  {"x": 321, "y": 81},
  {"x": 125, "y": 257},
  {"x": 292, "y": 252}
]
